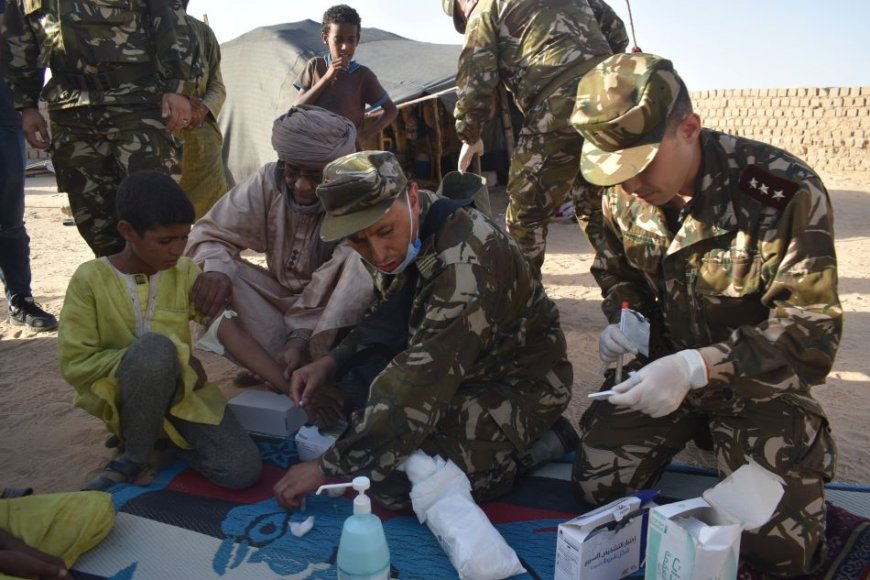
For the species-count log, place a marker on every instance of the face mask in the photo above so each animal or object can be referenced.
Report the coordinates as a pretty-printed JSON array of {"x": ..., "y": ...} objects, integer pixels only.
[{"x": 413, "y": 246}]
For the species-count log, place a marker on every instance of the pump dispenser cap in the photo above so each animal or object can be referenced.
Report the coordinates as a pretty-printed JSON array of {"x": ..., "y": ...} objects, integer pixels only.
[{"x": 361, "y": 503}]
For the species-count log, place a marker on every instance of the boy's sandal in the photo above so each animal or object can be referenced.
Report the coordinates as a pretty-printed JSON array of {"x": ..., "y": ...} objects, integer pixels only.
[{"x": 116, "y": 471}]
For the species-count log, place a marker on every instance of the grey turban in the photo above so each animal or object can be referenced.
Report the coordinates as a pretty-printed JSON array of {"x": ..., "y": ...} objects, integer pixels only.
[{"x": 312, "y": 137}]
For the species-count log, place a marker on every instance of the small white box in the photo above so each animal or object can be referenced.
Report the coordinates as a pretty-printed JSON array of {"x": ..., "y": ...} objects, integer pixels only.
[
  {"x": 592, "y": 547},
  {"x": 700, "y": 537},
  {"x": 267, "y": 413}
]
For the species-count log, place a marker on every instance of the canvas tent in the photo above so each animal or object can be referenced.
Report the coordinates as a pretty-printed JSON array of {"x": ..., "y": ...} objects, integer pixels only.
[{"x": 260, "y": 67}]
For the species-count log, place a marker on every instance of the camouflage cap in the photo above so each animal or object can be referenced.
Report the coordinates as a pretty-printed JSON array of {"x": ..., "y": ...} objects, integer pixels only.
[
  {"x": 357, "y": 190},
  {"x": 449, "y": 7},
  {"x": 621, "y": 111}
]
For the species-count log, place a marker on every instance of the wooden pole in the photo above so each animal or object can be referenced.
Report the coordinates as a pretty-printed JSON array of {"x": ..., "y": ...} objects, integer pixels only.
[{"x": 438, "y": 150}]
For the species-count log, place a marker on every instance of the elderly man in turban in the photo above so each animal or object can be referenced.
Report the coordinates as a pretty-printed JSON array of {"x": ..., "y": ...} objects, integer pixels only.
[{"x": 309, "y": 289}]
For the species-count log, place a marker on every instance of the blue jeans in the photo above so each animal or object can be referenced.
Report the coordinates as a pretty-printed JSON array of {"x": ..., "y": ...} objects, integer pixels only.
[{"x": 14, "y": 241}]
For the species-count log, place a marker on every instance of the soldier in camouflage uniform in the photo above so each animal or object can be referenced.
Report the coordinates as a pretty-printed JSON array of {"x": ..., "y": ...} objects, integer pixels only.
[
  {"x": 483, "y": 370},
  {"x": 538, "y": 50},
  {"x": 117, "y": 72},
  {"x": 727, "y": 245}
]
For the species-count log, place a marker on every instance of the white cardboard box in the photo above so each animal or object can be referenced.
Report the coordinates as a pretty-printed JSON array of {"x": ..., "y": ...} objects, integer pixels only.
[
  {"x": 267, "y": 413},
  {"x": 589, "y": 547},
  {"x": 699, "y": 538}
]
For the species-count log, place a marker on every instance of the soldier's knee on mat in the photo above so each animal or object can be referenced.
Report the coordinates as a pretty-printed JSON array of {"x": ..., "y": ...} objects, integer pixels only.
[{"x": 783, "y": 556}]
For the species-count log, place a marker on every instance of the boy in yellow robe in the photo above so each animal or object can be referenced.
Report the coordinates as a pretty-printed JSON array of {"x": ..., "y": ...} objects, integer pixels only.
[{"x": 125, "y": 345}]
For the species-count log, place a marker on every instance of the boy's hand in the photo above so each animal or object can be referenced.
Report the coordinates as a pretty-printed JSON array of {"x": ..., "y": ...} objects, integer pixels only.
[
  {"x": 308, "y": 379},
  {"x": 339, "y": 66},
  {"x": 212, "y": 293}
]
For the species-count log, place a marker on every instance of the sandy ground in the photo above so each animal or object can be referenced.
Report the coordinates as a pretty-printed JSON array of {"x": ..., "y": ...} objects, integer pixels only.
[{"x": 48, "y": 444}]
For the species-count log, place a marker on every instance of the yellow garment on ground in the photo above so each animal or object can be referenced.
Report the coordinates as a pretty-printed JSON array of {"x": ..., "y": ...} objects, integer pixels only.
[
  {"x": 98, "y": 324},
  {"x": 65, "y": 525}
]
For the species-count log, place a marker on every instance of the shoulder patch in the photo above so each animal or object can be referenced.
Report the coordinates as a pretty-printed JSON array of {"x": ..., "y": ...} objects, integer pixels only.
[{"x": 767, "y": 188}]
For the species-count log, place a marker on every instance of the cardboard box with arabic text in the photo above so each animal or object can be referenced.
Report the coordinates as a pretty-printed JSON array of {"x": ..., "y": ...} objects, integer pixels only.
[
  {"x": 700, "y": 537},
  {"x": 603, "y": 544}
]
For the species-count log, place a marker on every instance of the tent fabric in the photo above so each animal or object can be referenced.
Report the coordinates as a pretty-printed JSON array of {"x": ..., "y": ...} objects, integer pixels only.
[{"x": 260, "y": 67}]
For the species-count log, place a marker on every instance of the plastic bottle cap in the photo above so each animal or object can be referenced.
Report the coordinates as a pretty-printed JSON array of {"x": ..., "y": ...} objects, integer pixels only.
[{"x": 361, "y": 503}]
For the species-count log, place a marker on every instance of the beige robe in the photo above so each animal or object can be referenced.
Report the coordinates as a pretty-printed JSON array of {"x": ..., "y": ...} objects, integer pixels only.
[{"x": 307, "y": 284}]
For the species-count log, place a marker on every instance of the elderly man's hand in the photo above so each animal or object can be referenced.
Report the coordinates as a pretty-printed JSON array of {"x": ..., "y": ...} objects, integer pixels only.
[
  {"x": 299, "y": 480},
  {"x": 212, "y": 293},
  {"x": 293, "y": 356}
]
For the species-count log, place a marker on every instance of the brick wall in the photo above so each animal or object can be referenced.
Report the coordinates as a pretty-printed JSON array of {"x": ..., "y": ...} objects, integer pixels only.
[{"x": 829, "y": 128}]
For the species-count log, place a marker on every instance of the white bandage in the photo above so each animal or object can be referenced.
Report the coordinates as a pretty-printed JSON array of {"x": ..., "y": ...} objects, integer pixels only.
[{"x": 210, "y": 341}]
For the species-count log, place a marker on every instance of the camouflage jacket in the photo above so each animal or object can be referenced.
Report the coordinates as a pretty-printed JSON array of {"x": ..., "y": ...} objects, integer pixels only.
[
  {"x": 534, "y": 47},
  {"x": 478, "y": 318},
  {"x": 752, "y": 270},
  {"x": 100, "y": 52}
]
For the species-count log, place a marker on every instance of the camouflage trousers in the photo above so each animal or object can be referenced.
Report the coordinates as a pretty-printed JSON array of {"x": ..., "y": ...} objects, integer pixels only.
[
  {"x": 468, "y": 434},
  {"x": 621, "y": 452},
  {"x": 93, "y": 149},
  {"x": 202, "y": 167},
  {"x": 544, "y": 171}
]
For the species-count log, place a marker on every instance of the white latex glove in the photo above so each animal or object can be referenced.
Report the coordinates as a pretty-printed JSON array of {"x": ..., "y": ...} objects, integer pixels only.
[
  {"x": 612, "y": 343},
  {"x": 659, "y": 388},
  {"x": 467, "y": 153}
]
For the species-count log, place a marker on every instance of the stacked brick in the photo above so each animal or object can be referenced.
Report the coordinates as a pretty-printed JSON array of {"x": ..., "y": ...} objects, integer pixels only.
[{"x": 827, "y": 127}]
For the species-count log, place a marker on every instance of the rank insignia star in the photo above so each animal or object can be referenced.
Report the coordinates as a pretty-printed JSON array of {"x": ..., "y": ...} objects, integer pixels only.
[{"x": 766, "y": 187}]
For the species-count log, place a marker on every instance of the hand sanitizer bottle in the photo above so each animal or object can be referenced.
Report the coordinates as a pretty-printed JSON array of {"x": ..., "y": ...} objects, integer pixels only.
[{"x": 362, "y": 550}]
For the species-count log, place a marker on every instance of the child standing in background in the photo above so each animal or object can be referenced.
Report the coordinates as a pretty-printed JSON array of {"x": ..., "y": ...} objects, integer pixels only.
[{"x": 338, "y": 83}]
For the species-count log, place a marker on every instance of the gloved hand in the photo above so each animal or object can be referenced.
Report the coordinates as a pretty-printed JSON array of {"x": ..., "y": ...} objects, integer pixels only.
[
  {"x": 612, "y": 343},
  {"x": 467, "y": 153},
  {"x": 659, "y": 388}
]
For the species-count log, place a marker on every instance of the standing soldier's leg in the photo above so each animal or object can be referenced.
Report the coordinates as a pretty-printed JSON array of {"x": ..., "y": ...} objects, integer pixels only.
[
  {"x": 140, "y": 142},
  {"x": 796, "y": 444},
  {"x": 621, "y": 452},
  {"x": 85, "y": 170},
  {"x": 542, "y": 172}
]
